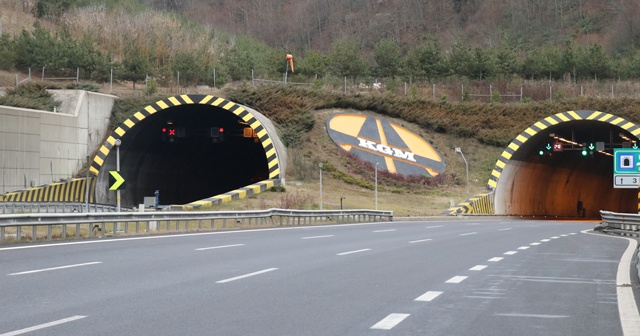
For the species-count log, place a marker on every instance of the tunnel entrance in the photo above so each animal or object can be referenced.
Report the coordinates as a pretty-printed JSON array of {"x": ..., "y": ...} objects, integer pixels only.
[
  {"x": 563, "y": 166},
  {"x": 188, "y": 148}
]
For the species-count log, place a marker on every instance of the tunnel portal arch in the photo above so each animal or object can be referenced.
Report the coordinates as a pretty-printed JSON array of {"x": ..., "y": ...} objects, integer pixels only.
[
  {"x": 263, "y": 132},
  {"x": 518, "y": 163}
]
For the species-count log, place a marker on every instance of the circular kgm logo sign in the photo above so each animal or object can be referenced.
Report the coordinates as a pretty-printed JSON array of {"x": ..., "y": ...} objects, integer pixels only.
[{"x": 391, "y": 146}]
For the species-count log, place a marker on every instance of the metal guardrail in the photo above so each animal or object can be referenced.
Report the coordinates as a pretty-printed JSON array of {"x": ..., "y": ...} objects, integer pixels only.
[
  {"x": 52, "y": 207},
  {"x": 49, "y": 226},
  {"x": 621, "y": 223}
]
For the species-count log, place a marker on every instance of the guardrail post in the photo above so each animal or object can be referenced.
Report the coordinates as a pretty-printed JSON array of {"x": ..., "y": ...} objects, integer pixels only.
[
  {"x": 34, "y": 233},
  {"x": 18, "y": 233}
]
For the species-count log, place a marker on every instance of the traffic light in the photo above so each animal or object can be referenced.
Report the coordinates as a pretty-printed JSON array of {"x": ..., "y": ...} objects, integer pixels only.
[
  {"x": 584, "y": 149},
  {"x": 171, "y": 133},
  {"x": 217, "y": 134}
]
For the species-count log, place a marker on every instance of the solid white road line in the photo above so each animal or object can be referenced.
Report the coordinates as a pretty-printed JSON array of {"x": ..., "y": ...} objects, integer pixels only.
[
  {"x": 505, "y": 229},
  {"x": 478, "y": 268},
  {"x": 217, "y": 247},
  {"x": 456, "y": 279},
  {"x": 511, "y": 252},
  {"x": 435, "y": 226},
  {"x": 533, "y": 315},
  {"x": 419, "y": 241},
  {"x": 428, "y": 296},
  {"x": 389, "y": 230},
  {"x": 42, "y": 326},
  {"x": 57, "y": 268},
  {"x": 246, "y": 275},
  {"x": 317, "y": 237},
  {"x": 468, "y": 233},
  {"x": 495, "y": 259},
  {"x": 351, "y": 252},
  {"x": 390, "y": 321}
]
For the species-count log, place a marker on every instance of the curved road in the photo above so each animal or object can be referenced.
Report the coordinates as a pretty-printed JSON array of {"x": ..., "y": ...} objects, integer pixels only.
[{"x": 464, "y": 277}]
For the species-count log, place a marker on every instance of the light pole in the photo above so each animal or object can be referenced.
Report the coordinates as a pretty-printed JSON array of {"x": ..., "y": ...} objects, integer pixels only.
[
  {"x": 118, "y": 143},
  {"x": 458, "y": 150},
  {"x": 376, "y": 184},
  {"x": 86, "y": 186},
  {"x": 320, "y": 165}
]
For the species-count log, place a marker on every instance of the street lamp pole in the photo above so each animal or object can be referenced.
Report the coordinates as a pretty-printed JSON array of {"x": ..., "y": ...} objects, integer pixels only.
[
  {"x": 376, "y": 185},
  {"x": 320, "y": 165},
  {"x": 458, "y": 150},
  {"x": 118, "y": 143}
]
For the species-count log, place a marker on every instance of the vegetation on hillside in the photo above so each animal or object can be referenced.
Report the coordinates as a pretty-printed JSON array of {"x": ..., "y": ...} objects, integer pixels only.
[
  {"x": 131, "y": 41},
  {"x": 31, "y": 96}
]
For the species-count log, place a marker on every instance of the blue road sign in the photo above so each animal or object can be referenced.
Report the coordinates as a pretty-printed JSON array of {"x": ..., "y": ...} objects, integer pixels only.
[{"x": 626, "y": 161}]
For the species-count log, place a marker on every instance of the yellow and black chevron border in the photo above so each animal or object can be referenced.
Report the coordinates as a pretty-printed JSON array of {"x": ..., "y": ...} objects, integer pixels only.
[
  {"x": 552, "y": 121},
  {"x": 482, "y": 204},
  {"x": 238, "y": 110},
  {"x": 73, "y": 190},
  {"x": 241, "y": 193}
]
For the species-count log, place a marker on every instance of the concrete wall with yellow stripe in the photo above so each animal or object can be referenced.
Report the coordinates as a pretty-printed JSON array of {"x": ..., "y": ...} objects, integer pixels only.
[
  {"x": 482, "y": 204},
  {"x": 485, "y": 203},
  {"x": 237, "y": 194},
  {"x": 551, "y": 121},
  {"x": 74, "y": 190},
  {"x": 254, "y": 119}
]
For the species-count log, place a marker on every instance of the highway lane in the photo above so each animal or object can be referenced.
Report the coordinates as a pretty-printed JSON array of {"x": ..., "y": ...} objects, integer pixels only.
[{"x": 464, "y": 277}]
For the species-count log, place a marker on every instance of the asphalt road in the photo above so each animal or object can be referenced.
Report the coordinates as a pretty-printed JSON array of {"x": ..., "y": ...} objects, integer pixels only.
[{"x": 465, "y": 277}]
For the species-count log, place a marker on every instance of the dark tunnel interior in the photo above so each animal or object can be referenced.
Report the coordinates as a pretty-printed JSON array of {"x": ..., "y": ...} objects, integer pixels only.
[
  {"x": 541, "y": 181},
  {"x": 189, "y": 153}
]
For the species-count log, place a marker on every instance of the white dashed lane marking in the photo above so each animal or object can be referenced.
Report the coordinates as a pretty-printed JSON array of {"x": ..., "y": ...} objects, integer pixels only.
[
  {"x": 352, "y": 252},
  {"x": 545, "y": 240},
  {"x": 390, "y": 321},
  {"x": 511, "y": 252},
  {"x": 43, "y": 326},
  {"x": 534, "y": 244},
  {"x": 428, "y": 296},
  {"x": 468, "y": 233},
  {"x": 505, "y": 229},
  {"x": 317, "y": 237},
  {"x": 419, "y": 241},
  {"x": 523, "y": 248},
  {"x": 478, "y": 268},
  {"x": 57, "y": 268},
  {"x": 495, "y": 259},
  {"x": 456, "y": 279},
  {"x": 433, "y": 227},
  {"x": 218, "y": 247},
  {"x": 389, "y": 230},
  {"x": 246, "y": 275}
]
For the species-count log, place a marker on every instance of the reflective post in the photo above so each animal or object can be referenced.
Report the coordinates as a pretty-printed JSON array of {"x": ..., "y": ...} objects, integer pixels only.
[
  {"x": 320, "y": 165},
  {"x": 458, "y": 150},
  {"x": 376, "y": 185}
]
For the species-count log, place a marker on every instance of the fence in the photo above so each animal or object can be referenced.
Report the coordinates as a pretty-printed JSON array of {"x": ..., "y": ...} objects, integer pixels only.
[
  {"x": 38, "y": 227},
  {"x": 52, "y": 207},
  {"x": 501, "y": 90},
  {"x": 621, "y": 223}
]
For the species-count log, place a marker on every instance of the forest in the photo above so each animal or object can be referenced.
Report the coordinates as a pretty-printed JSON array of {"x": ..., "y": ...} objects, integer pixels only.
[{"x": 215, "y": 42}]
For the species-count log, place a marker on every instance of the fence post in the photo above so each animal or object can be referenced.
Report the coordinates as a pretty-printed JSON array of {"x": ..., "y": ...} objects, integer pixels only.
[
  {"x": 42, "y": 75},
  {"x": 214, "y": 77},
  {"x": 16, "y": 80},
  {"x": 253, "y": 80},
  {"x": 77, "y": 74},
  {"x": 433, "y": 91},
  {"x": 490, "y": 92},
  {"x": 462, "y": 97},
  {"x": 612, "y": 95},
  {"x": 550, "y": 93},
  {"x": 405, "y": 88},
  {"x": 345, "y": 84},
  {"x": 520, "y": 92},
  {"x": 111, "y": 82}
]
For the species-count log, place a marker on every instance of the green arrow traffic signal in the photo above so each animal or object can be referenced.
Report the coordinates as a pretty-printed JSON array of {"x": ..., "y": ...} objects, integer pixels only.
[
  {"x": 116, "y": 181},
  {"x": 591, "y": 146}
]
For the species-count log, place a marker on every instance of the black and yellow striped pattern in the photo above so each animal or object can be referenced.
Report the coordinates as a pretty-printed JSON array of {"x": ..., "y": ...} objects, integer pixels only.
[
  {"x": 250, "y": 119},
  {"x": 241, "y": 193},
  {"x": 551, "y": 121},
  {"x": 73, "y": 190},
  {"x": 482, "y": 204}
]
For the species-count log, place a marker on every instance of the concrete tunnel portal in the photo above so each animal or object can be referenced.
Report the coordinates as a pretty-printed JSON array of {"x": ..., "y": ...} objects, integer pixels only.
[
  {"x": 188, "y": 148},
  {"x": 531, "y": 178}
]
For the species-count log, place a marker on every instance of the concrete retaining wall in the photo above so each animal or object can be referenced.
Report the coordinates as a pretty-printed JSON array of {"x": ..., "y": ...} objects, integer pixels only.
[{"x": 40, "y": 147}]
